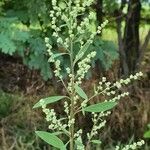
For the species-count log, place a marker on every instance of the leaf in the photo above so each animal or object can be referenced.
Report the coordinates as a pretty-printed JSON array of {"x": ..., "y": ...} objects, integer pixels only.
[
  {"x": 37, "y": 45},
  {"x": 20, "y": 35},
  {"x": 51, "y": 139},
  {"x": 100, "y": 107},
  {"x": 57, "y": 133},
  {"x": 7, "y": 46},
  {"x": 106, "y": 52},
  {"x": 63, "y": 148},
  {"x": 82, "y": 51},
  {"x": 57, "y": 55},
  {"x": 80, "y": 92},
  {"x": 79, "y": 143},
  {"x": 147, "y": 134},
  {"x": 48, "y": 100},
  {"x": 96, "y": 141}
]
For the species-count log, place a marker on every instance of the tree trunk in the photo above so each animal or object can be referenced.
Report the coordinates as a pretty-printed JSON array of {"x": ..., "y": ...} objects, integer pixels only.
[
  {"x": 99, "y": 17},
  {"x": 99, "y": 11},
  {"x": 131, "y": 35},
  {"x": 118, "y": 14}
]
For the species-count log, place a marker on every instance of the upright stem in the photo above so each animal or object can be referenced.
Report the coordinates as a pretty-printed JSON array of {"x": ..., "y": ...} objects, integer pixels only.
[
  {"x": 71, "y": 129},
  {"x": 72, "y": 99}
]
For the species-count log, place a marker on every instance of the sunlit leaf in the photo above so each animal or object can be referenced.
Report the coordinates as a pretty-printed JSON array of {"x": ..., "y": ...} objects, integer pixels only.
[
  {"x": 82, "y": 51},
  {"x": 80, "y": 92},
  {"x": 57, "y": 55},
  {"x": 48, "y": 100},
  {"x": 51, "y": 139},
  {"x": 100, "y": 107}
]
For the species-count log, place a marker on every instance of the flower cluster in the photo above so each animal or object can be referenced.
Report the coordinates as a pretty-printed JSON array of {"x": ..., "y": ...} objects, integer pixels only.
[
  {"x": 87, "y": 3},
  {"x": 66, "y": 106},
  {"x": 84, "y": 103},
  {"x": 71, "y": 76},
  {"x": 76, "y": 98},
  {"x": 56, "y": 13},
  {"x": 109, "y": 89},
  {"x": 71, "y": 121},
  {"x": 104, "y": 114},
  {"x": 118, "y": 97},
  {"x": 95, "y": 129},
  {"x": 84, "y": 67},
  {"x": 106, "y": 87},
  {"x": 119, "y": 84},
  {"x": 78, "y": 133},
  {"x": 96, "y": 125},
  {"x": 99, "y": 29},
  {"x": 133, "y": 146},
  {"x": 55, "y": 124},
  {"x": 49, "y": 46},
  {"x": 58, "y": 69}
]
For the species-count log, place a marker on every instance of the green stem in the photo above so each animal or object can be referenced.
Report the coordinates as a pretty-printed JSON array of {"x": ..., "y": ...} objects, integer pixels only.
[
  {"x": 71, "y": 129},
  {"x": 72, "y": 99}
]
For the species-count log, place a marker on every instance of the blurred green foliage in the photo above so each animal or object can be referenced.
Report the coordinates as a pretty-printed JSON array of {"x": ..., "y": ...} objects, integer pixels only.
[
  {"x": 6, "y": 101},
  {"x": 147, "y": 133}
]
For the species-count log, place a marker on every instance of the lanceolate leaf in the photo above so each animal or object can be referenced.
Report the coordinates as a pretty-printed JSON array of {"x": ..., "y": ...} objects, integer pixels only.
[
  {"x": 100, "y": 107},
  {"x": 48, "y": 100},
  {"x": 80, "y": 92},
  {"x": 82, "y": 51},
  {"x": 57, "y": 55},
  {"x": 51, "y": 139}
]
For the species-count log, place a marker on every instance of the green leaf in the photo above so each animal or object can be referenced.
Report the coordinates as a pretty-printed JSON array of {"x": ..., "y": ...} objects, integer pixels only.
[
  {"x": 63, "y": 148},
  {"x": 82, "y": 51},
  {"x": 51, "y": 139},
  {"x": 80, "y": 92},
  {"x": 79, "y": 143},
  {"x": 20, "y": 35},
  {"x": 106, "y": 52},
  {"x": 100, "y": 107},
  {"x": 96, "y": 141},
  {"x": 57, "y": 133},
  {"x": 57, "y": 55},
  {"x": 48, "y": 100},
  {"x": 7, "y": 46},
  {"x": 147, "y": 134}
]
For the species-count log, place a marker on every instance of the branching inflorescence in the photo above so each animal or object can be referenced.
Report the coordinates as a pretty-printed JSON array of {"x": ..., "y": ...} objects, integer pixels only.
[{"x": 68, "y": 30}]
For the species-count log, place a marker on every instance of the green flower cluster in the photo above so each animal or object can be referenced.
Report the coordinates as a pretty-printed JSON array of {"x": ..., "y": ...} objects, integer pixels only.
[{"x": 133, "y": 146}]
